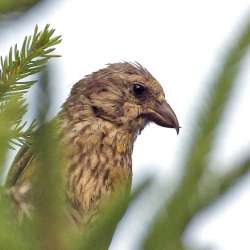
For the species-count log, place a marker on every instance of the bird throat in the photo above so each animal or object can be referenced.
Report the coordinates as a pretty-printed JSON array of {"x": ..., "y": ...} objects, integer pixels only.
[{"x": 99, "y": 157}]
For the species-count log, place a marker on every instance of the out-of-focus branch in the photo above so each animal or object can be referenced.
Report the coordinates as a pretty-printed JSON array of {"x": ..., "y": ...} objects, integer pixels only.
[
  {"x": 176, "y": 213},
  {"x": 100, "y": 235},
  {"x": 216, "y": 186},
  {"x": 49, "y": 219},
  {"x": 210, "y": 117},
  {"x": 8, "y": 118},
  {"x": 7, "y": 6}
]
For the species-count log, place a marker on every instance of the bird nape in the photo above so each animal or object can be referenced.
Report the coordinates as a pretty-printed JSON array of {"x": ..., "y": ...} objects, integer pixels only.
[{"x": 98, "y": 125}]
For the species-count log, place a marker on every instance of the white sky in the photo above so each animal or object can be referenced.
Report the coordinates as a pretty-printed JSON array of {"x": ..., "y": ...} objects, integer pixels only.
[{"x": 181, "y": 43}]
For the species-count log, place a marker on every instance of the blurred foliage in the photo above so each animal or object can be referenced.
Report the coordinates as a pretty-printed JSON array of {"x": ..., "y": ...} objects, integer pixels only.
[
  {"x": 194, "y": 192},
  {"x": 50, "y": 227},
  {"x": 9, "y": 6}
]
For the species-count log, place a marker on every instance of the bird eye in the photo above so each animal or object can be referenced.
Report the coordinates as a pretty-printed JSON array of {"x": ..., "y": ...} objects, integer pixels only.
[{"x": 138, "y": 89}]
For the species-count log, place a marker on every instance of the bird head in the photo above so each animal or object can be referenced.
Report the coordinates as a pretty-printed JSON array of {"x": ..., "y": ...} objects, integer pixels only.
[{"x": 125, "y": 94}]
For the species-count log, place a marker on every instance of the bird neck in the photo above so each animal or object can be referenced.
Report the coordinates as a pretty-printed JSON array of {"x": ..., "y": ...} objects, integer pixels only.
[{"x": 98, "y": 144}]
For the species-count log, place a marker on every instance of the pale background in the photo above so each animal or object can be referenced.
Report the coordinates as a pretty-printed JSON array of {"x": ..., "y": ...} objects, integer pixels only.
[{"x": 181, "y": 43}]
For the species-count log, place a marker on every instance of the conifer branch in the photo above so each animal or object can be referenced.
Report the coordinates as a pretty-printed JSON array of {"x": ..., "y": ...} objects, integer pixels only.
[
  {"x": 178, "y": 211},
  {"x": 217, "y": 185},
  {"x": 30, "y": 59},
  {"x": 15, "y": 72}
]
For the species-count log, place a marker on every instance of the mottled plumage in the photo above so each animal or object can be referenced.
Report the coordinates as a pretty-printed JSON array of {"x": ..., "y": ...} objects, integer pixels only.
[{"x": 98, "y": 125}]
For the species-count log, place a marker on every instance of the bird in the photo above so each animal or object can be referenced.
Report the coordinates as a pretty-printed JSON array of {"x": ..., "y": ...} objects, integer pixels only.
[{"x": 98, "y": 124}]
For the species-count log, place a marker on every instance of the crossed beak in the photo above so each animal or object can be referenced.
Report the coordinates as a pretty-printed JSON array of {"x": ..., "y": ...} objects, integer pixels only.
[{"x": 163, "y": 115}]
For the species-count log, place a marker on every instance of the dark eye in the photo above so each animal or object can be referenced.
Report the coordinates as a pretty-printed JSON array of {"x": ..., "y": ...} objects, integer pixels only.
[{"x": 138, "y": 89}]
